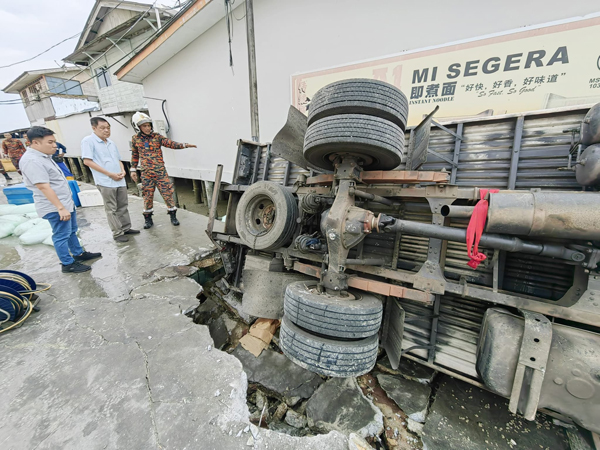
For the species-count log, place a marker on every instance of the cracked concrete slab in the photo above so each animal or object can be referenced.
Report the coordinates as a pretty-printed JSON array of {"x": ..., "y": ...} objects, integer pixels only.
[
  {"x": 279, "y": 375},
  {"x": 98, "y": 368},
  {"x": 410, "y": 396},
  {"x": 339, "y": 404}
]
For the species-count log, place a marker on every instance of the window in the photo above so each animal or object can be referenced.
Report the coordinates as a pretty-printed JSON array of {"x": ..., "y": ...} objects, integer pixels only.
[
  {"x": 103, "y": 77},
  {"x": 25, "y": 97},
  {"x": 63, "y": 86}
]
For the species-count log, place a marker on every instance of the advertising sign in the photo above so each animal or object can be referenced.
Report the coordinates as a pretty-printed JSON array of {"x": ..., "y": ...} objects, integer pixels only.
[{"x": 537, "y": 68}]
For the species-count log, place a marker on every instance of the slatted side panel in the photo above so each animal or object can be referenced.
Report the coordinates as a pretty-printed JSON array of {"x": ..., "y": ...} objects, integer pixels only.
[
  {"x": 263, "y": 159},
  {"x": 279, "y": 168},
  {"x": 537, "y": 276},
  {"x": 379, "y": 246},
  {"x": 457, "y": 334},
  {"x": 545, "y": 150},
  {"x": 294, "y": 172},
  {"x": 413, "y": 249}
]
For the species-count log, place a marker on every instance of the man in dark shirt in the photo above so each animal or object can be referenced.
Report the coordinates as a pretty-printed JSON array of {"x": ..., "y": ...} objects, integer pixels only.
[{"x": 146, "y": 150}]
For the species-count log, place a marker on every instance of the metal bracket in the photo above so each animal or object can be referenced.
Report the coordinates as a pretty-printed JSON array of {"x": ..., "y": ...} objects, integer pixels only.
[
  {"x": 431, "y": 275},
  {"x": 456, "y": 136},
  {"x": 448, "y": 160},
  {"x": 393, "y": 331},
  {"x": 535, "y": 348}
]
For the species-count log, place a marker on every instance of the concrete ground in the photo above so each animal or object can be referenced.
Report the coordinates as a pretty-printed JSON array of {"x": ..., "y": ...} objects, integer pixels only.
[{"x": 110, "y": 362}]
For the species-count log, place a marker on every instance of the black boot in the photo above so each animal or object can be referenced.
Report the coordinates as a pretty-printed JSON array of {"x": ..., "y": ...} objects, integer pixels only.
[
  {"x": 149, "y": 223},
  {"x": 8, "y": 178},
  {"x": 173, "y": 215}
]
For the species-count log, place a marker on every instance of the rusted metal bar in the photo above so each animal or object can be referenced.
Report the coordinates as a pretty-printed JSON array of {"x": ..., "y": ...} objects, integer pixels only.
[
  {"x": 372, "y": 197},
  {"x": 390, "y": 176},
  {"x": 253, "y": 83},
  {"x": 228, "y": 238},
  {"x": 374, "y": 286},
  {"x": 213, "y": 206},
  {"x": 365, "y": 262}
]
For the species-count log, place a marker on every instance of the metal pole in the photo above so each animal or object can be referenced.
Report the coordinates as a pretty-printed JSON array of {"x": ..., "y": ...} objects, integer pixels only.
[
  {"x": 158, "y": 23},
  {"x": 507, "y": 243},
  {"x": 215, "y": 199},
  {"x": 252, "y": 71}
]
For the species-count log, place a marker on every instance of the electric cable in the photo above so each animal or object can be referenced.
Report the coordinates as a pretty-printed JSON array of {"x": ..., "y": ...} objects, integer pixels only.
[
  {"x": 104, "y": 53},
  {"x": 66, "y": 39}
]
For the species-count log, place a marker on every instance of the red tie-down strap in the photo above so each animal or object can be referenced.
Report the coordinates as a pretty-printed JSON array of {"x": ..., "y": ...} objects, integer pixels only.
[{"x": 475, "y": 228}]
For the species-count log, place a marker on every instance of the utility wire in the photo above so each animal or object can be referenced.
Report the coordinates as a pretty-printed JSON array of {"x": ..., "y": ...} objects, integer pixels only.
[
  {"x": 64, "y": 40},
  {"x": 104, "y": 53}
]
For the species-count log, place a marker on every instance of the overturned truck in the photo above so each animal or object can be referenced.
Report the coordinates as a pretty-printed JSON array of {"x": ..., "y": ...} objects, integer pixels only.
[{"x": 471, "y": 247}]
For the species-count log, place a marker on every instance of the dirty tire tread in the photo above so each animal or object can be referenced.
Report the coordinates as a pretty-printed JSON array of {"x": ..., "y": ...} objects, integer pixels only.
[
  {"x": 367, "y": 136},
  {"x": 325, "y": 356},
  {"x": 360, "y": 96},
  {"x": 287, "y": 213},
  {"x": 332, "y": 316},
  {"x": 329, "y": 316}
]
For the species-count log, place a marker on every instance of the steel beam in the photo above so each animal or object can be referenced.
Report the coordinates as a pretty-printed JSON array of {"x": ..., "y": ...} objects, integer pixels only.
[{"x": 514, "y": 161}]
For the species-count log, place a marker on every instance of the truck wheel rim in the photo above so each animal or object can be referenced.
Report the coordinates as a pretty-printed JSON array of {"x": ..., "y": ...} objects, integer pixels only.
[{"x": 260, "y": 215}]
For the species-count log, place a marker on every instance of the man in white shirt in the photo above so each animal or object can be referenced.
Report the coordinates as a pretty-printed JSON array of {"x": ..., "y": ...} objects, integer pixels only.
[
  {"x": 101, "y": 155},
  {"x": 53, "y": 199}
]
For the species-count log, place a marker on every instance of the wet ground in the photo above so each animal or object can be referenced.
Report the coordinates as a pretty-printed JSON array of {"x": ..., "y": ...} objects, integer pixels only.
[{"x": 110, "y": 361}]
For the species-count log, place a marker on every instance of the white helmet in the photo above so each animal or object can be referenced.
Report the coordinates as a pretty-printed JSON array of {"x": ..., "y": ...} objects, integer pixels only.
[{"x": 139, "y": 118}]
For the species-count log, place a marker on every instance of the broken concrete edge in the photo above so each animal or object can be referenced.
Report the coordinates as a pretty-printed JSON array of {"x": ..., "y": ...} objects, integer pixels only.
[
  {"x": 235, "y": 418},
  {"x": 376, "y": 427},
  {"x": 318, "y": 409}
]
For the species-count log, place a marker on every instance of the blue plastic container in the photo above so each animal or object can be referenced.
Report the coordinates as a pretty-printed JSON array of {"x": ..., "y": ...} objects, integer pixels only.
[
  {"x": 18, "y": 194},
  {"x": 74, "y": 190}
]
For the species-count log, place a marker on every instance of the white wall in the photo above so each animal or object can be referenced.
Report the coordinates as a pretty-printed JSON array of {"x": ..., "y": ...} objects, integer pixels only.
[
  {"x": 208, "y": 104},
  {"x": 73, "y": 129},
  {"x": 120, "y": 96}
]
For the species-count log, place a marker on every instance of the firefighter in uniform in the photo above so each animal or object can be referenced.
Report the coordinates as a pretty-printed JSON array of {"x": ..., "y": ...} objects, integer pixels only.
[
  {"x": 3, "y": 172},
  {"x": 14, "y": 149},
  {"x": 146, "y": 151}
]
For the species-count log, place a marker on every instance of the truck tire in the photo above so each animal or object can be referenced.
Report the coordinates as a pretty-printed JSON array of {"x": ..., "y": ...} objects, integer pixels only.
[
  {"x": 266, "y": 216},
  {"x": 354, "y": 317},
  {"x": 378, "y": 142},
  {"x": 327, "y": 357},
  {"x": 360, "y": 96}
]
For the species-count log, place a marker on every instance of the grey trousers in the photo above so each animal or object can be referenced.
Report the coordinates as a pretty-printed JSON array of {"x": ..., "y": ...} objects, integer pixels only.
[{"x": 115, "y": 205}]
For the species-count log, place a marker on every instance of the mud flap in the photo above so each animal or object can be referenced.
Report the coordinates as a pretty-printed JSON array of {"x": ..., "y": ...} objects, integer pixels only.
[
  {"x": 393, "y": 330},
  {"x": 289, "y": 141}
]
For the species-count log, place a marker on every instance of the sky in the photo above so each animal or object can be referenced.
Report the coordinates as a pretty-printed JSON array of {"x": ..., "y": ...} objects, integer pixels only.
[{"x": 28, "y": 27}]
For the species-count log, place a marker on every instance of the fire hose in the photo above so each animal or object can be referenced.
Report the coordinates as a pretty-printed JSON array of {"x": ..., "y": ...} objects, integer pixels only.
[{"x": 18, "y": 297}]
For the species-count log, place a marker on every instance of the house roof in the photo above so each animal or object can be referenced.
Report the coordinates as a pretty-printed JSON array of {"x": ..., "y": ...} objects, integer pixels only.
[
  {"x": 101, "y": 9},
  {"x": 97, "y": 46},
  {"x": 193, "y": 19},
  {"x": 28, "y": 77}
]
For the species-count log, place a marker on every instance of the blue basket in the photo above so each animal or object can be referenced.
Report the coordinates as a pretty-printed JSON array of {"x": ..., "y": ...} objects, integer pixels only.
[{"x": 18, "y": 194}]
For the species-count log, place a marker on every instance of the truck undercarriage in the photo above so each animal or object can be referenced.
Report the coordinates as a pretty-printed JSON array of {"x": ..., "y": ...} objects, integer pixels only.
[{"x": 380, "y": 230}]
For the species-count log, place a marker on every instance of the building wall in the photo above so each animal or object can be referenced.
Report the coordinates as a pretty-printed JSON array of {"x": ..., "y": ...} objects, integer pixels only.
[
  {"x": 113, "y": 19},
  {"x": 208, "y": 102},
  {"x": 121, "y": 96},
  {"x": 39, "y": 110},
  {"x": 74, "y": 128}
]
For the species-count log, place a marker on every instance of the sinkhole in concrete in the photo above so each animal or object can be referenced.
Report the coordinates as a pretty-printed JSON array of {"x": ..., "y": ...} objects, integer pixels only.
[{"x": 286, "y": 398}]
